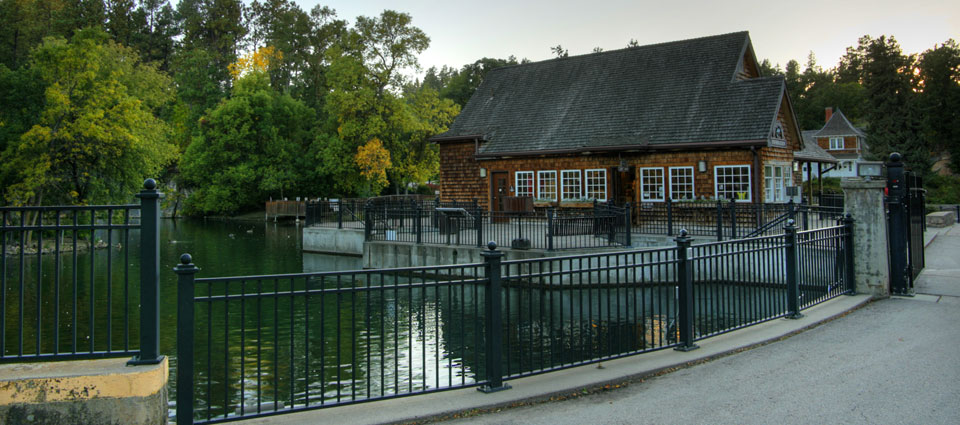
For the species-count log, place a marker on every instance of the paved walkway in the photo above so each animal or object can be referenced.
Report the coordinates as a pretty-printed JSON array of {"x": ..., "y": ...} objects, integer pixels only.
[{"x": 893, "y": 361}]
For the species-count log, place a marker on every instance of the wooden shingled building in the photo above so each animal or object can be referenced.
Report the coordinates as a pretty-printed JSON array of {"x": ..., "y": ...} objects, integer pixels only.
[{"x": 684, "y": 120}]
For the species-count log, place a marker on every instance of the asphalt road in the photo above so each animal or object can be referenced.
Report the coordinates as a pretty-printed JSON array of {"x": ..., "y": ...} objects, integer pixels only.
[{"x": 894, "y": 361}]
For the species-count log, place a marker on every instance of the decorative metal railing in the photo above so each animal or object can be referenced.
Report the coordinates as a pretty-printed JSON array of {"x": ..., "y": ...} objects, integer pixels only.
[
  {"x": 58, "y": 264},
  {"x": 261, "y": 345}
]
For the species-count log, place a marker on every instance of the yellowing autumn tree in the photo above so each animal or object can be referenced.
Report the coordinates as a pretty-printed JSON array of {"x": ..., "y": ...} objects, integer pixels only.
[
  {"x": 373, "y": 160},
  {"x": 261, "y": 60}
]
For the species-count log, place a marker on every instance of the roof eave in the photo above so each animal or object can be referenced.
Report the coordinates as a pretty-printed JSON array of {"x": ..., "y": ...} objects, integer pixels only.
[
  {"x": 463, "y": 138},
  {"x": 622, "y": 148}
]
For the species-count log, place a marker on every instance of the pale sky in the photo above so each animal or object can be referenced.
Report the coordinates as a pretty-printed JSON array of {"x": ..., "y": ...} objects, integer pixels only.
[{"x": 463, "y": 31}]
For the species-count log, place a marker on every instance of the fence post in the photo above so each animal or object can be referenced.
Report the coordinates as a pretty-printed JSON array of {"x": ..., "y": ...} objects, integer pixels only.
[
  {"x": 685, "y": 293},
  {"x": 367, "y": 221},
  {"x": 805, "y": 213},
  {"x": 549, "y": 229},
  {"x": 492, "y": 310},
  {"x": 185, "y": 304},
  {"x": 339, "y": 213},
  {"x": 719, "y": 220},
  {"x": 850, "y": 276},
  {"x": 149, "y": 275},
  {"x": 478, "y": 223},
  {"x": 417, "y": 224},
  {"x": 629, "y": 225},
  {"x": 733, "y": 219},
  {"x": 669, "y": 217},
  {"x": 793, "y": 283}
]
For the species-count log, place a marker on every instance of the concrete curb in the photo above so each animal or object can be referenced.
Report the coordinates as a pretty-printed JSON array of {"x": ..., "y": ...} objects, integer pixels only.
[{"x": 570, "y": 382}]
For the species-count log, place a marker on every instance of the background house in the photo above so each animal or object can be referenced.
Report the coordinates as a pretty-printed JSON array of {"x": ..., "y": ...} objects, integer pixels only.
[
  {"x": 684, "y": 120},
  {"x": 842, "y": 140}
]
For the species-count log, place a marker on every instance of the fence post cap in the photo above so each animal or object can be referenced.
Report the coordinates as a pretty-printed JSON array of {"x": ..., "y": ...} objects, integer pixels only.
[
  {"x": 896, "y": 157},
  {"x": 186, "y": 265},
  {"x": 492, "y": 246},
  {"x": 186, "y": 259},
  {"x": 683, "y": 237},
  {"x": 149, "y": 184},
  {"x": 791, "y": 223}
]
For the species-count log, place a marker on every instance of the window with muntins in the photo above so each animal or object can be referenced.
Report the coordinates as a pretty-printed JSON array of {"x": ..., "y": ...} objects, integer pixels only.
[
  {"x": 596, "y": 184},
  {"x": 571, "y": 187},
  {"x": 524, "y": 183},
  {"x": 836, "y": 143},
  {"x": 547, "y": 185},
  {"x": 732, "y": 182},
  {"x": 651, "y": 185},
  {"x": 775, "y": 180},
  {"x": 681, "y": 183}
]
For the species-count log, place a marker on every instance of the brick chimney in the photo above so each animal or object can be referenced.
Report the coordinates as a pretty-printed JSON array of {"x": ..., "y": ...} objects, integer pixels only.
[{"x": 828, "y": 112}]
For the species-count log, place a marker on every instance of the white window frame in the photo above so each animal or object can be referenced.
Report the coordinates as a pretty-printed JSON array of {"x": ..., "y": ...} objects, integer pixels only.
[
  {"x": 716, "y": 183},
  {"x": 673, "y": 190},
  {"x": 598, "y": 187},
  {"x": 540, "y": 193},
  {"x": 563, "y": 186},
  {"x": 516, "y": 180},
  {"x": 643, "y": 187},
  {"x": 775, "y": 188},
  {"x": 834, "y": 147}
]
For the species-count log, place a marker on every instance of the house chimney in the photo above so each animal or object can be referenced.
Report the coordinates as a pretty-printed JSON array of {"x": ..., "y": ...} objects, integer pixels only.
[{"x": 828, "y": 112}]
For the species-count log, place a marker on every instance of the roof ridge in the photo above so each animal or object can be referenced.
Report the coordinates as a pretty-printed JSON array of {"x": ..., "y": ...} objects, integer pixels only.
[{"x": 621, "y": 50}]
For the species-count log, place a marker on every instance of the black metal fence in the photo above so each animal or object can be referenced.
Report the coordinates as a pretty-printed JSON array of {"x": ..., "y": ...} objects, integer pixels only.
[
  {"x": 730, "y": 220},
  {"x": 468, "y": 225},
  {"x": 58, "y": 263},
  {"x": 341, "y": 213},
  {"x": 348, "y": 337}
]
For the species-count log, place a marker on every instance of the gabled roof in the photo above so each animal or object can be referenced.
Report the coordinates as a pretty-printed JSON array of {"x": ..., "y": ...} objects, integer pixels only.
[
  {"x": 812, "y": 152},
  {"x": 839, "y": 125},
  {"x": 682, "y": 92}
]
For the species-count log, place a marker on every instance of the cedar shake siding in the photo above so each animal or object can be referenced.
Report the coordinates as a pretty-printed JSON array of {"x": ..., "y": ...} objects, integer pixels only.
[{"x": 630, "y": 125}]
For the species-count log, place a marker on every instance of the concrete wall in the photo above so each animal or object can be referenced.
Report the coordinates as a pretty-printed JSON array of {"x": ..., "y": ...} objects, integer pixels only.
[
  {"x": 333, "y": 240},
  {"x": 89, "y": 392}
]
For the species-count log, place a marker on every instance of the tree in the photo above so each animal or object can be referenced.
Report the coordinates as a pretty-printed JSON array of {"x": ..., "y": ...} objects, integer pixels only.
[
  {"x": 389, "y": 44},
  {"x": 373, "y": 161},
  {"x": 251, "y": 146},
  {"x": 559, "y": 51},
  {"x": 893, "y": 113},
  {"x": 939, "y": 99},
  {"x": 97, "y": 134}
]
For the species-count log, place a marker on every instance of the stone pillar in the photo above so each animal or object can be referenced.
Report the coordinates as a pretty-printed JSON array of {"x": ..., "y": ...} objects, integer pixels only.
[{"x": 864, "y": 200}]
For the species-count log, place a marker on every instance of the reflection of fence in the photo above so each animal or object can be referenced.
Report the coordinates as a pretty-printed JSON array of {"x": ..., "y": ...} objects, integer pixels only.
[
  {"x": 59, "y": 265},
  {"x": 287, "y": 343}
]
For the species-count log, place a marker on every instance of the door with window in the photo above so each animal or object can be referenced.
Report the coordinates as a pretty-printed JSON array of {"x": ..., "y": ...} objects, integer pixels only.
[{"x": 775, "y": 180}]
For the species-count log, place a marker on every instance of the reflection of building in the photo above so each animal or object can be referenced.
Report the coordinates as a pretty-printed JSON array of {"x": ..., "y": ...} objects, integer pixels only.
[{"x": 842, "y": 140}]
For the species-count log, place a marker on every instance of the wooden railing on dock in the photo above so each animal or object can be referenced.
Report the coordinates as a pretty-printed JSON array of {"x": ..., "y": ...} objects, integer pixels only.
[{"x": 294, "y": 209}]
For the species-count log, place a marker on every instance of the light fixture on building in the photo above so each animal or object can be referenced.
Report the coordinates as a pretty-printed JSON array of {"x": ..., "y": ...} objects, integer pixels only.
[
  {"x": 702, "y": 166},
  {"x": 870, "y": 169},
  {"x": 796, "y": 167},
  {"x": 483, "y": 172}
]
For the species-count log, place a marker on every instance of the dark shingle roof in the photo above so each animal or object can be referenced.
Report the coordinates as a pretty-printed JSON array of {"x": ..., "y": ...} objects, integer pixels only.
[
  {"x": 839, "y": 125},
  {"x": 678, "y": 92},
  {"x": 812, "y": 151}
]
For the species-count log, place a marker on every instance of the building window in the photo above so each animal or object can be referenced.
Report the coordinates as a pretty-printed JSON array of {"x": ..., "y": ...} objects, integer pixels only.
[
  {"x": 681, "y": 183},
  {"x": 836, "y": 143},
  {"x": 775, "y": 180},
  {"x": 597, "y": 184},
  {"x": 651, "y": 185},
  {"x": 570, "y": 185},
  {"x": 547, "y": 185},
  {"x": 732, "y": 182},
  {"x": 524, "y": 183}
]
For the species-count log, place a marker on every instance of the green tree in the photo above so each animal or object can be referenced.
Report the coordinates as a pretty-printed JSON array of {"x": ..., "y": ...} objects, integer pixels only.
[
  {"x": 96, "y": 134},
  {"x": 939, "y": 99},
  {"x": 251, "y": 146}
]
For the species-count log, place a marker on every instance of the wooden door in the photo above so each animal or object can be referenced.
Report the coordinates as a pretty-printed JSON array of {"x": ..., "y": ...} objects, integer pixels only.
[{"x": 499, "y": 188}]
